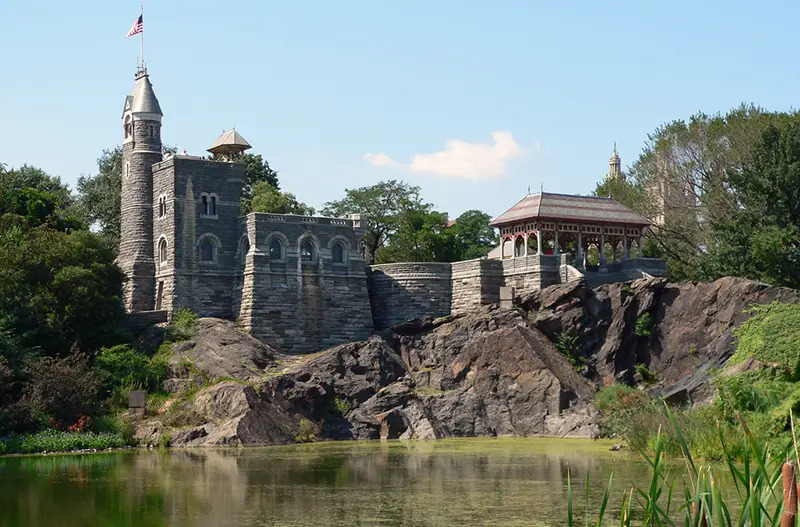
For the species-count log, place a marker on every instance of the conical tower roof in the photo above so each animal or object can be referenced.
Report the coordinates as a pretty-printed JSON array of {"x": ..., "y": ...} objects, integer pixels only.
[
  {"x": 144, "y": 98},
  {"x": 230, "y": 142}
]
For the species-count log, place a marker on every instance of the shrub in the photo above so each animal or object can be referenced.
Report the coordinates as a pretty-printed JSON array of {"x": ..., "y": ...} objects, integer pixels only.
[
  {"x": 58, "y": 441},
  {"x": 306, "y": 432},
  {"x": 569, "y": 345},
  {"x": 184, "y": 324},
  {"x": 648, "y": 376},
  {"x": 644, "y": 325},
  {"x": 628, "y": 413},
  {"x": 124, "y": 367},
  {"x": 62, "y": 390},
  {"x": 343, "y": 406},
  {"x": 770, "y": 335}
]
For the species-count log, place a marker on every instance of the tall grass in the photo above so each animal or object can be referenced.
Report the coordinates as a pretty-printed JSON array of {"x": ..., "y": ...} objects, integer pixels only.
[{"x": 764, "y": 481}]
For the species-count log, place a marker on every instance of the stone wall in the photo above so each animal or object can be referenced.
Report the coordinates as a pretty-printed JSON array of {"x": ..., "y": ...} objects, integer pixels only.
[
  {"x": 402, "y": 291},
  {"x": 529, "y": 273},
  {"x": 296, "y": 304},
  {"x": 475, "y": 283},
  {"x": 185, "y": 279}
]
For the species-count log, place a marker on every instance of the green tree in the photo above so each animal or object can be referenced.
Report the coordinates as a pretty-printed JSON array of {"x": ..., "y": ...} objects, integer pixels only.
[
  {"x": 267, "y": 198},
  {"x": 419, "y": 236},
  {"x": 760, "y": 237},
  {"x": 99, "y": 195},
  {"x": 473, "y": 235},
  {"x": 382, "y": 204},
  {"x": 257, "y": 170}
]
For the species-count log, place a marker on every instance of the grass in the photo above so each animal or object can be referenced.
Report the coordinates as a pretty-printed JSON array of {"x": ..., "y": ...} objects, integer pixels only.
[
  {"x": 770, "y": 335},
  {"x": 57, "y": 441},
  {"x": 764, "y": 479},
  {"x": 307, "y": 432}
]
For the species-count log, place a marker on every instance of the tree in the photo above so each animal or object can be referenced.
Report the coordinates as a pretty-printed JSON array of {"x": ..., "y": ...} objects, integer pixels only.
[
  {"x": 760, "y": 237},
  {"x": 99, "y": 196},
  {"x": 420, "y": 235},
  {"x": 257, "y": 170},
  {"x": 267, "y": 198},
  {"x": 473, "y": 234},
  {"x": 382, "y": 204}
]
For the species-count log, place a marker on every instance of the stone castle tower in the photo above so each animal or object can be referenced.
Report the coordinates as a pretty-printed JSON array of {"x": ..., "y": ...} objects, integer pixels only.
[{"x": 141, "y": 148}]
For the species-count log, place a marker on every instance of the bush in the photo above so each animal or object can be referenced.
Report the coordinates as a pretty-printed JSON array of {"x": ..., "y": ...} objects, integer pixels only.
[
  {"x": 343, "y": 406},
  {"x": 770, "y": 335},
  {"x": 628, "y": 413},
  {"x": 648, "y": 376},
  {"x": 644, "y": 325},
  {"x": 184, "y": 324},
  {"x": 306, "y": 433},
  {"x": 569, "y": 345},
  {"x": 60, "y": 391},
  {"x": 57, "y": 441}
]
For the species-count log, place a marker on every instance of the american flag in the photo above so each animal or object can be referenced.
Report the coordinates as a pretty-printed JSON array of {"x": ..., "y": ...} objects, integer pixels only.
[{"x": 136, "y": 28}]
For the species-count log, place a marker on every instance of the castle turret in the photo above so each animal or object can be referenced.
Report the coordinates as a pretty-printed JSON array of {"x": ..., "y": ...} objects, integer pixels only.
[{"x": 141, "y": 147}]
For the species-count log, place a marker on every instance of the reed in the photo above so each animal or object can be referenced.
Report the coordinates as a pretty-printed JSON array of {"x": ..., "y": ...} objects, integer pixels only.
[{"x": 764, "y": 479}]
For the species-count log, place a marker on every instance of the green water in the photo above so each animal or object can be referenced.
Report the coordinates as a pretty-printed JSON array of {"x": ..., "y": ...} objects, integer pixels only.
[{"x": 508, "y": 482}]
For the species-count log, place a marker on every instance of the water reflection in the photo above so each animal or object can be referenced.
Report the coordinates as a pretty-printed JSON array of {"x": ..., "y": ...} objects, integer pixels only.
[{"x": 509, "y": 482}]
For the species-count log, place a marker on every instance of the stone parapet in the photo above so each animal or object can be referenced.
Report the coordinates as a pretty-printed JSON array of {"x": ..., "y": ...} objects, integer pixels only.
[{"x": 402, "y": 291}]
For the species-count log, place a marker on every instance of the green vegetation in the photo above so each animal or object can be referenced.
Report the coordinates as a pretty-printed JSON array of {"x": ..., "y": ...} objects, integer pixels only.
[
  {"x": 307, "y": 431},
  {"x": 568, "y": 343},
  {"x": 57, "y": 441},
  {"x": 402, "y": 227},
  {"x": 771, "y": 335},
  {"x": 648, "y": 376},
  {"x": 343, "y": 406},
  {"x": 757, "y": 480},
  {"x": 644, "y": 325}
]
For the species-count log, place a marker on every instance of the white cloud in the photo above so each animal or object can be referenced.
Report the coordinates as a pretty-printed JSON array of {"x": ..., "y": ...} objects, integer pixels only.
[{"x": 459, "y": 159}]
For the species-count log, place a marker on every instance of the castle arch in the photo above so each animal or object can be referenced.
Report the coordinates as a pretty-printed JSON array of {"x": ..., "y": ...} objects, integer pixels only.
[
  {"x": 339, "y": 247},
  {"x": 276, "y": 243},
  {"x": 208, "y": 248},
  {"x": 308, "y": 248},
  {"x": 244, "y": 247},
  {"x": 163, "y": 255}
]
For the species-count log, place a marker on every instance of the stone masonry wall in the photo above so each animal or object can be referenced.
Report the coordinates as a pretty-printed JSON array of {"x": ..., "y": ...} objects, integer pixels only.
[
  {"x": 475, "y": 283},
  {"x": 402, "y": 291},
  {"x": 301, "y": 306},
  {"x": 530, "y": 273},
  {"x": 205, "y": 287}
]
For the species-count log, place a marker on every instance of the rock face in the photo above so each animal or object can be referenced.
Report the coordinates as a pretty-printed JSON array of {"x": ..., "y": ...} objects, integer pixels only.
[
  {"x": 220, "y": 351},
  {"x": 690, "y": 331},
  {"x": 490, "y": 372}
]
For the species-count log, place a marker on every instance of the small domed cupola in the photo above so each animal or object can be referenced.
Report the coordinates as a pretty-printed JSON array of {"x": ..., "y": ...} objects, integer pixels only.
[{"x": 229, "y": 145}]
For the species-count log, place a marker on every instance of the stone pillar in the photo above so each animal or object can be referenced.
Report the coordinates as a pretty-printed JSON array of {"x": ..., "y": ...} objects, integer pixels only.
[
  {"x": 640, "y": 245},
  {"x": 555, "y": 244},
  {"x": 602, "y": 248},
  {"x": 538, "y": 242}
]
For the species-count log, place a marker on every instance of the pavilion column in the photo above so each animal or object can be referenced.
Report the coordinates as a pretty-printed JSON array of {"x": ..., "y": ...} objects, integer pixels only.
[
  {"x": 640, "y": 245},
  {"x": 525, "y": 237},
  {"x": 625, "y": 246},
  {"x": 538, "y": 242},
  {"x": 555, "y": 244},
  {"x": 579, "y": 258},
  {"x": 602, "y": 248}
]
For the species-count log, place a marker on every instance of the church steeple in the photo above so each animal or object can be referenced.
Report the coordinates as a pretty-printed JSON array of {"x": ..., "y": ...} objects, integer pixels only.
[
  {"x": 141, "y": 148},
  {"x": 614, "y": 164}
]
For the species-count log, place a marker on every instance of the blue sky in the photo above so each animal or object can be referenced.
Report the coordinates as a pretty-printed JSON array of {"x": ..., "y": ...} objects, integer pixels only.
[{"x": 472, "y": 101}]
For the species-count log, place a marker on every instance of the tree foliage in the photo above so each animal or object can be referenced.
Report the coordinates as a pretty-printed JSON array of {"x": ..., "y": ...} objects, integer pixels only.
[
  {"x": 267, "y": 198},
  {"x": 99, "y": 195}
]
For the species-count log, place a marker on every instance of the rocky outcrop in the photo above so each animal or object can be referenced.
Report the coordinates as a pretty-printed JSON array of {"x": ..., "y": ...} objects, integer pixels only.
[
  {"x": 690, "y": 329},
  {"x": 490, "y": 372}
]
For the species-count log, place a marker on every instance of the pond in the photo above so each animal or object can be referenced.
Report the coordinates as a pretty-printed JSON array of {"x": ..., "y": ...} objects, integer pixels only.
[{"x": 460, "y": 482}]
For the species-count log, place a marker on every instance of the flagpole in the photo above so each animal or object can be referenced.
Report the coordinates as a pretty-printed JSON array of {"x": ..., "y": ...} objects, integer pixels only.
[{"x": 142, "y": 35}]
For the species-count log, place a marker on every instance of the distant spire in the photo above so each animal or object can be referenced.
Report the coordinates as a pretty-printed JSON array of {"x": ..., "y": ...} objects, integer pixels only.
[
  {"x": 541, "y": 187},
  {"x": 529, "y": 189}
]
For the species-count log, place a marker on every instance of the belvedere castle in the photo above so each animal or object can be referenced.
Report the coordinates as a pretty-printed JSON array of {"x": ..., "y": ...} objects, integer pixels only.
[{"x": 301, "y": 283}]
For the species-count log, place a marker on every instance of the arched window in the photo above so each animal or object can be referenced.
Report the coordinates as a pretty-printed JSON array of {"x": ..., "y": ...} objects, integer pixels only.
[
  {"x": 162, "y": 206},
  {"x": 212, "y": 210},
  {"x": 207, "y": 251},
  {"x": 162, "y": 251},
  {"x": 338, "y": 252},
  {"x": 205, "y": 204},
  {"x": 275, "y": 249},
  {"x": 127, "y": 126},
  {"x": 519, "y": 246},
  {"x": 307, "y": 250}
]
